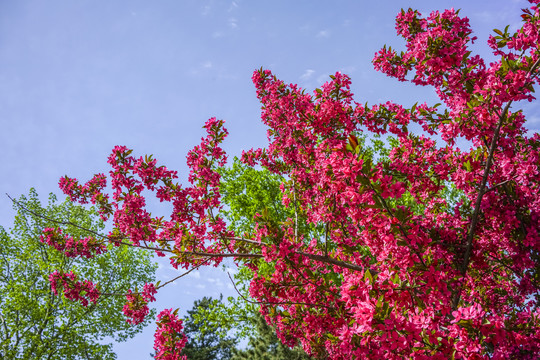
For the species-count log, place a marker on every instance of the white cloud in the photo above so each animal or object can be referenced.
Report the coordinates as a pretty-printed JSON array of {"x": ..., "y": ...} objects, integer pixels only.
[
  {"x": 323, "y": 34},
  {"x": 533, "y": 119},
  {"x": 348, "y": 69},
  {"x": 215, "y": 281},
  {"x": 307, "y": 74},
  {"x": 233, "y": 23},
  {"x": 202, "y": 68},
  {"x": 200, "y": 286},
  {"x": 206, "y": 9},
  {"x": 233, "y": 6}
]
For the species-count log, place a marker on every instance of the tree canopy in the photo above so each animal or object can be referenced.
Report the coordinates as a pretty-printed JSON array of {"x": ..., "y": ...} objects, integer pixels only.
[
  {"x": 206, "y": 343},
  {"x": 36, "y": 324},
  {"x": 264, "y": 345},
  {"x": 208, "y": 339}
]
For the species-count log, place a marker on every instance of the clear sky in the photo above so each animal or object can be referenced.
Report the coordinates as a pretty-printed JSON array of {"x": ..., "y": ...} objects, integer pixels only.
[{"x": 78, "y": 77}]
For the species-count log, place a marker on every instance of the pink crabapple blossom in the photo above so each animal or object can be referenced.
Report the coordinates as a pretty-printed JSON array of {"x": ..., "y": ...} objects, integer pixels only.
[{"x": 402, "y": 270}]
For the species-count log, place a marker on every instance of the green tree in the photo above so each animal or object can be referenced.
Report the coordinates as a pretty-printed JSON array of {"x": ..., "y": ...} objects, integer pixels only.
[
  {"x": 265, "y": 345},
  {"x": 246, "y": 193},
  {"x": 206, "y": 341},
  {"x": 251, "y": 196},
  {"x": 35, "y": 324}
]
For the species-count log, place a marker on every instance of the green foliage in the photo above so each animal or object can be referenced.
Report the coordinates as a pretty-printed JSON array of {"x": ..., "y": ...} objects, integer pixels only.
[
  {"x": 208, "y": 338},
  {"x": 35, "y": 324},
  {"x": 248, "y": 191},
  {"x": 265, "y": 345},
  {"x": 205, "y": 340}
]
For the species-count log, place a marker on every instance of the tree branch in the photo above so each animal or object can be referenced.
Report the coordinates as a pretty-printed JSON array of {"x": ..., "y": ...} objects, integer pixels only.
[
  {"x": 321, "y": 258},
  {"x": 273, "y": 303},
  {"x": 482, "y": 190}
]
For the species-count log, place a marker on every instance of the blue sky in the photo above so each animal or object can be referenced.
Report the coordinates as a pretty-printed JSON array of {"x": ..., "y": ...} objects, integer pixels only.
[{"x": 79, "y": 77}]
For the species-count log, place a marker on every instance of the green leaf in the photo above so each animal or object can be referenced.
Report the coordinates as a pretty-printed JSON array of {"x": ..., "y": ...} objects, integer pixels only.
[{"x": 368, "y": 276}]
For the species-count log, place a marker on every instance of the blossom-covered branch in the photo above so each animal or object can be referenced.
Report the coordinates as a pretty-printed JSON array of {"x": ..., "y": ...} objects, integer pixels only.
[{"x": 425, "y": 250}]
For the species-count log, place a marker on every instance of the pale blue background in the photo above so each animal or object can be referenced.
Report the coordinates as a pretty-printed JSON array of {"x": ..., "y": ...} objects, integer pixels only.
[{"x": 78, "y": 77}]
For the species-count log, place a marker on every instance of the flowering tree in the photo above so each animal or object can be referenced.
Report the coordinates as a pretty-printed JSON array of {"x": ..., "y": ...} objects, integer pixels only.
[{"x": 431, "y": 252}]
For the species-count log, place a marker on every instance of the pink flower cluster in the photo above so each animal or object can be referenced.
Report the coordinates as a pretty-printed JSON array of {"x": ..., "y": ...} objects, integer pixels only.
[
  {"x": 87, "y": 247},
  {"x": 83, "y": 291},
  {"x": 193, "y": 206},
  {"x": 92, "y": 190},
  {"x": 169, "y": 339},
  {"x": 136, "y": 307}
]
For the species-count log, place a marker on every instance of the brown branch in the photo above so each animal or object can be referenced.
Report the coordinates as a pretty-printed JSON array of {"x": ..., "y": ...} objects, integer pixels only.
[
  {"x": 482, "y": 190},
  {"x": 324, "y": 259},
  {"x": 499, "y": 184},
  {"x": 273, "y": 303},
  {"x": 321, "y": 258},
  {"x": 295, "y": 213},
  {"x": 68, "y": 223},
  {"x": 329, "y": 260},
  {"x": 400, "y": 226},
  {"x": 476, "y": 214},
  {"x": 245, "y": 240},
  {"x": 210, "y": 255}
]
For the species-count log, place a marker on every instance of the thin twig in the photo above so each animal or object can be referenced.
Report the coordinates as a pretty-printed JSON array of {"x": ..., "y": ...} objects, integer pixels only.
[
  {"x": 329, "y": 260},
  {"x": 499, "y": 184},
  {"x": 68, "y": 223},
  {"x": 321, "y": 258},
  {"x": 181, "y": 275},
  {"x": 273, "y": 303},
  {"x": 222, "y": 255}
]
